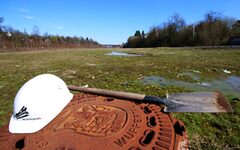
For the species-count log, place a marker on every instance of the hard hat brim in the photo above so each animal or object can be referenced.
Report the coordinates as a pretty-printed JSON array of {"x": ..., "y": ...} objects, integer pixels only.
[
  {"x": 22, "y": 126},
  {"x": 30, "y": 126}
]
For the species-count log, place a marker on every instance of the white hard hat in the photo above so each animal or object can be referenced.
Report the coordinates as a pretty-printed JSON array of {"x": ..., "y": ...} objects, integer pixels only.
[{"x": 38, "y": 102}]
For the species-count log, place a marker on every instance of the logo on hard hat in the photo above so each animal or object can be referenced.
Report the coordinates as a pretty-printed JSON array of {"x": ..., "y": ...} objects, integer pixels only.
[{"x": 22, "y": 113}]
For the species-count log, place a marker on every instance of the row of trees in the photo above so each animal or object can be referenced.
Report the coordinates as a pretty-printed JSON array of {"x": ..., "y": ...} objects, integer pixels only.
[
  {"x": 11, "y": 39},
  {"x": 213, "y": 30}
]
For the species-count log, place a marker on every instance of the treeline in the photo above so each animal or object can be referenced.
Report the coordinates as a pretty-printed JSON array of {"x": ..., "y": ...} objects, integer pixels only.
[
  {"x": 14, "y": 39},
  {"x": 213, "y": 30}
]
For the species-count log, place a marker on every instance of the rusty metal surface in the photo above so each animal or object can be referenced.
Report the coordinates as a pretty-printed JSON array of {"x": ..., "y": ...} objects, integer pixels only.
[
  {"x": 97, "y": 122},
  {"x": 222, "y": 103}
]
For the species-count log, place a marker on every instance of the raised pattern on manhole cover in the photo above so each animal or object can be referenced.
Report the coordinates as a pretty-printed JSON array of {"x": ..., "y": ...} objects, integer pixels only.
[{"x": 95, "y": 120}]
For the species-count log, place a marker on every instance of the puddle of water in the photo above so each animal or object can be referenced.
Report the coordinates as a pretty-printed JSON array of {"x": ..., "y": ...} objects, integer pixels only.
[
  {"x": 114, "y": 53},
  {"x": 229, "y": 85},
  {"x": 189, "y": 74},
  {"x": 234, "y": 81},
  {"x": 204, "y": 84}
]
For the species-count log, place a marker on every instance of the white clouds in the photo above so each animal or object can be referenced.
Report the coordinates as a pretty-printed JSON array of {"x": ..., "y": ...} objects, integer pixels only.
[
  {"x": 55, "y": 26},
  {"x": 22, "y": 10},
  {"x": 26, "y": 14},
  {"x": 28, "y": 17}
]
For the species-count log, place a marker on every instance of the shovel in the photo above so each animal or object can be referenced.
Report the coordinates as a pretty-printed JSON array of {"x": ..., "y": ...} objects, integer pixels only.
[{"x": 212, "y": 102}]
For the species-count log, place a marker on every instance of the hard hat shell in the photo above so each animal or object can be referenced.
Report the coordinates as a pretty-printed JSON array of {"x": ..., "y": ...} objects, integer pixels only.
[{"x": 38, "y": 102}]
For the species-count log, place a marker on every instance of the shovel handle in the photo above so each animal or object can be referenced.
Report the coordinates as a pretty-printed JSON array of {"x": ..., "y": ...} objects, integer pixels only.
[{"x": 110, "y": 93}]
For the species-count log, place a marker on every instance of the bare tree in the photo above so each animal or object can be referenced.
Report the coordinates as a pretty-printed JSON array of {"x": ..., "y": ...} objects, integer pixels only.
[
  {"x": 35, "y": 30},
  {"x": 1, "y": 22}
]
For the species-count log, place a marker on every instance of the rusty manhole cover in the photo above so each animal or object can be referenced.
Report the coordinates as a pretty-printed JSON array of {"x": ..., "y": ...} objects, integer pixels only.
[{"x": 97, "y": 122}]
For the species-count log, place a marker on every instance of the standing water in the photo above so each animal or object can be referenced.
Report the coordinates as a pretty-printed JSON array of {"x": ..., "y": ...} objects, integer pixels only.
[
  {"x": 114, "y": 53},
  {"x": 228, "y": 86}
]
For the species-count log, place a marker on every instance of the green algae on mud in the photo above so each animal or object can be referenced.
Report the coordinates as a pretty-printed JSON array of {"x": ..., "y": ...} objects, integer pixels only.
[{"x": 95, "y": 69}]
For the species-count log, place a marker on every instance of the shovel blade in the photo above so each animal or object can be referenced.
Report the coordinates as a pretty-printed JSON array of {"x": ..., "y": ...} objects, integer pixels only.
[{"x": 212, "y": 102}]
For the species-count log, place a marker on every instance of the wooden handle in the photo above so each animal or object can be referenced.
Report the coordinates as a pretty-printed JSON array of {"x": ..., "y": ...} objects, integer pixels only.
[{"x": 117, "y": 94}]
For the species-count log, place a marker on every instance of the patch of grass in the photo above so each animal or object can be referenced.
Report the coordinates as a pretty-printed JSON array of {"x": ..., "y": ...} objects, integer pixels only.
[{"x": 94, "y": 68}]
